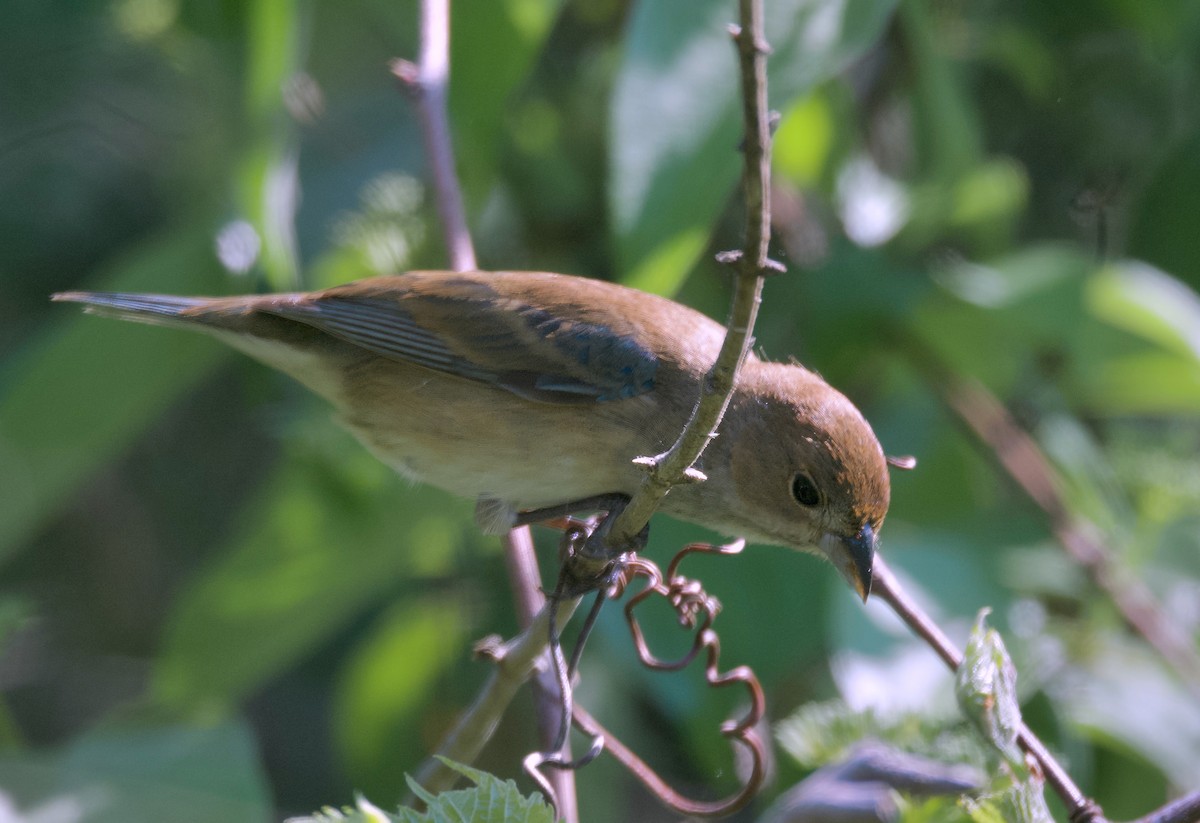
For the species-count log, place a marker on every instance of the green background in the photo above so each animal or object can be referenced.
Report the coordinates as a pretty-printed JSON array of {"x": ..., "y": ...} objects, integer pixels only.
[{"x": 214, "y": 605}]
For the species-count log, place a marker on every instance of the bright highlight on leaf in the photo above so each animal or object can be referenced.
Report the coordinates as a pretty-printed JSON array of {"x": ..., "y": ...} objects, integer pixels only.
[
  {"x": 490, "y": 800},
  {"x": 986, "y": 688}
]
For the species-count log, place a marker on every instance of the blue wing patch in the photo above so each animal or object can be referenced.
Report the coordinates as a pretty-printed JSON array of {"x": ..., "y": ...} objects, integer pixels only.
[{"x": 526, "y": 350}]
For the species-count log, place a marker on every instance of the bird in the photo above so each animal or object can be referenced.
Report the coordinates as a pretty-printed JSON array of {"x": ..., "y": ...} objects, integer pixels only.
[{"x": 531, "y": 391}]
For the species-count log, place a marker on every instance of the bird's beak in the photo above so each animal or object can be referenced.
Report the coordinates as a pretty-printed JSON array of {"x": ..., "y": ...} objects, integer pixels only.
[{"x": 853, "y": 557}]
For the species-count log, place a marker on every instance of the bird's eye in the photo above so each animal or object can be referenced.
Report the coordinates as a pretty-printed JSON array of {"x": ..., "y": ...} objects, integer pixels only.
[{"x": 805, "y": 490}]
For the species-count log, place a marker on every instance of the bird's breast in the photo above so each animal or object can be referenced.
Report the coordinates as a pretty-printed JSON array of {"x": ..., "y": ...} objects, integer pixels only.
[{"x": 478, "y": 440}]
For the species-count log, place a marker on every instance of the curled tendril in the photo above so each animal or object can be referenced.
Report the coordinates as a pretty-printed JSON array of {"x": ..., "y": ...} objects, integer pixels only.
[{"x": 695, "y": 610}]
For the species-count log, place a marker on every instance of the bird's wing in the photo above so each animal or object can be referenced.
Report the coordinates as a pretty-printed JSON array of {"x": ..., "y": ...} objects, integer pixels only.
[{"x": 461, "y": 326}]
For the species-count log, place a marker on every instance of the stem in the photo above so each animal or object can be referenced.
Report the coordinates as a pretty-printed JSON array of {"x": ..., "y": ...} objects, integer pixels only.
[
  {"x": 525, "y": 578},
  {"x": 1184, "y": 810},
  {"x": 515, "y": 663},
  {"x": 1025, "y": 462},
  {"x": 751, "y": 265},
  {"x": 426, "y": 83},
  {"x": 886, "y": 587}
]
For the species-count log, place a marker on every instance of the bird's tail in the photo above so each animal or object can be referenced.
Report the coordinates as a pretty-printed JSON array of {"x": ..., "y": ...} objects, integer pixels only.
[
  {"x": 245, "y": 323},
  {"x": 159, "y": 309}
]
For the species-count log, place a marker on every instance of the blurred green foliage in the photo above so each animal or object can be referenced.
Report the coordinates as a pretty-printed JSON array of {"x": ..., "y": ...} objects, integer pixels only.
[
  {"x": 215, "y": 606},
  {"x": 489, "y": 800}
]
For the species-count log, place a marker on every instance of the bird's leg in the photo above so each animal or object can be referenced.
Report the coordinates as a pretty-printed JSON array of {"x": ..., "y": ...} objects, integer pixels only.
[
  {"x": 600, "y": 502},
  {"x": 563, "y": 671},
  {"x": 588, "y": 564},
  {"x": 592, "y": 558}
]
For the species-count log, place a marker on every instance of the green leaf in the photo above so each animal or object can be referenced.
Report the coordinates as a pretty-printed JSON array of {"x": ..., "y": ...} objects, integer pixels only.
[
  {"x": 1150, "y": 383},
  {"x": 1163, "y": 230},
  {"x": 1020, "y": 280},
  {"x": 323, "y": 549},
  {"x": 804, "y": 140},
  {"x": 1149, "y": 303},
  {"x": 676, "y": 122},
  {"x": 268, "y": 179},
  {"x": 89, "y": 386},
  {"x": 121, "y": 774},
  {"x": 819, "y": 734},
  {"x": 491, "y": 801},
  {"x": 1023, "y": 802},
  {"x": 986, "y": 688},
  {"x": 483, "y": 78},
  {"x": 1125, "y": 695},
  {"x": 363, "y": 811},
  {"x": 948, "y": 138},
  {"x": 389, "y": 685}
]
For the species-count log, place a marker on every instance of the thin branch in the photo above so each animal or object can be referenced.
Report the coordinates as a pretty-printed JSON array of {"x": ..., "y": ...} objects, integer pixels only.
[
  {"x": 523, "y": 575},
  {"x": 751, "y": 265},
  {"x": 1184, "y": 810},
  {"x": 886, "y": 587},
  {"x": 426, "y": 83},
  {"x": 515, "y": 662}
]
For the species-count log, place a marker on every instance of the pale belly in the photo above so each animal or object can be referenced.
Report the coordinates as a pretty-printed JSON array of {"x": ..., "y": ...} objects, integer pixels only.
[{"x": 477, "y": 441}]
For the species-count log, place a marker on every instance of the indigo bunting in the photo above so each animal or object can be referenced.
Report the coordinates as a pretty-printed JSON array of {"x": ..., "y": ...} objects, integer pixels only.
[{"x": 528, "y": 390}]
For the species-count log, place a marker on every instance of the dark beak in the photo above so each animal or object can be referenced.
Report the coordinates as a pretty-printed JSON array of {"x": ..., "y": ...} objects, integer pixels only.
[{"x": 854, "y": 557}]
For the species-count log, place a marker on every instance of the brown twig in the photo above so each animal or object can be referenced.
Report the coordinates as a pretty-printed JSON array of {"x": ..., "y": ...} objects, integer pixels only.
[
  {"x": 696, "y": 610},
  {"x": 886, "y": 587},
  {"x": 515, "y": 663},
  {"x": 525, "y": 578},
  {"x": 1025, "y": 462},
  {"x": 1184, "y": 810},
  {"x": 751, "y": 265},
  {"x": 426, "y": 82},
  {"x": 622, "y": 531}
]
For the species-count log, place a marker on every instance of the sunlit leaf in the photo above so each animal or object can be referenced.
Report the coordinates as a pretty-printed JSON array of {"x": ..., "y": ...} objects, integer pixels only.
[
  {"x": 1023, "y": 802},
  {"x": 819, "y": 734},
  {"x": 804, "y": 140},
  {"x": 1151, "y": 383},
  {"x": 1151, "y": 304},
  {"x": 986, "y": 687},
  {"x": 491, "y": 800},
  {"x": 389, "y": 685},
  {"x": 363, "y": 811},
  {"x": 675, "y": 116}
]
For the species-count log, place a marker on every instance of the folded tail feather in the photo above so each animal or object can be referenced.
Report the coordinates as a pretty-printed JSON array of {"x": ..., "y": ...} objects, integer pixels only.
[{"x": 161, "y": 309}]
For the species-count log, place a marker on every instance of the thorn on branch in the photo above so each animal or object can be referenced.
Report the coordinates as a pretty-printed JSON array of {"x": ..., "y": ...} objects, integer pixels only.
[
  {"x": 649, "y": 464},
  {"x": 734, "y": 257},
  {"x": 490, "y": 648},
  {"x": 409, "y": 75},
  {"x": 739, "y": 36}
]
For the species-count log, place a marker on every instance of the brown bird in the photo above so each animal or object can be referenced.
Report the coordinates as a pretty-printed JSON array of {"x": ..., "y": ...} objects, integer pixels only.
[{"x": 527, "y": 390}]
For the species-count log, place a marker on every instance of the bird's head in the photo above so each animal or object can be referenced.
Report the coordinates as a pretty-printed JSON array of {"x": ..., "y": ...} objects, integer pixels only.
[{"x": 808, "y": 470}]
